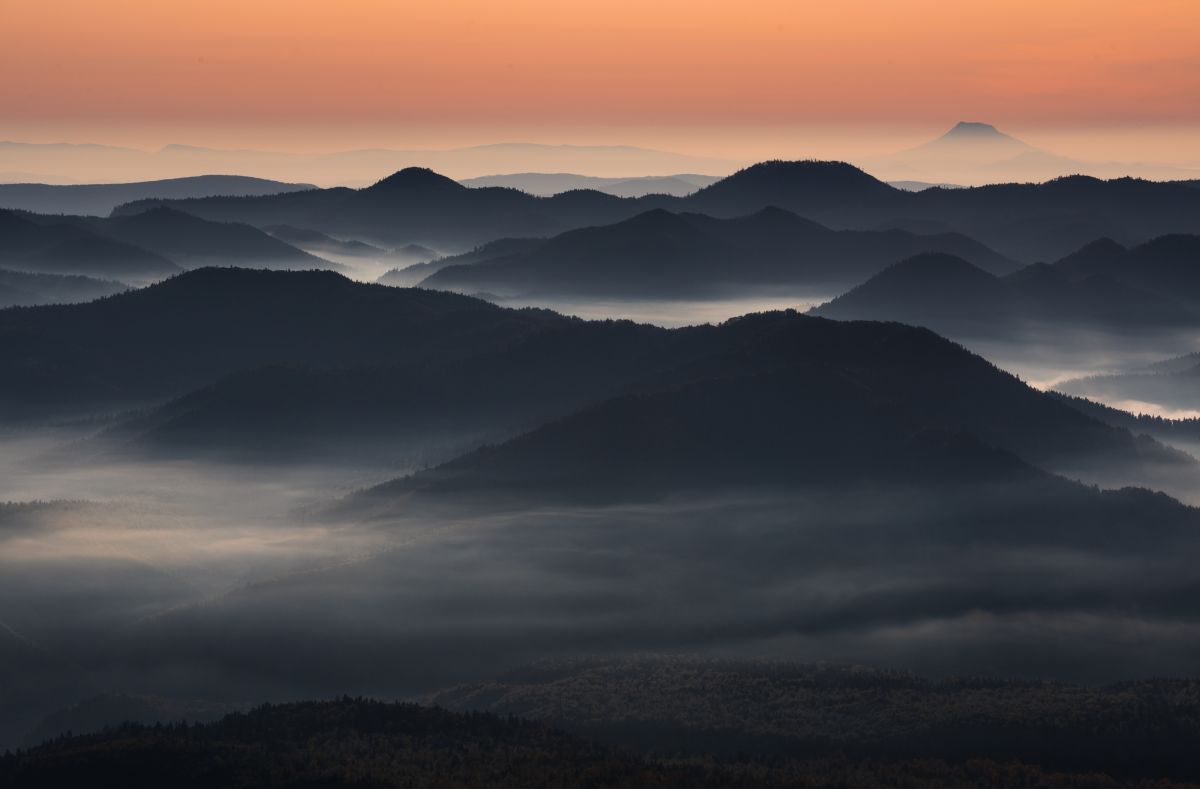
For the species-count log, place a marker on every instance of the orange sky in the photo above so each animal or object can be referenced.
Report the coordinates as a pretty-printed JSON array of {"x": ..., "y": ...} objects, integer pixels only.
[{"x": 82, "y": 69}]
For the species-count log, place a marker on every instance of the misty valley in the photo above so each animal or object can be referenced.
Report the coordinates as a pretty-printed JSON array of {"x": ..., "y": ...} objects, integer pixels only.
[{"x": 788, "y": 477}]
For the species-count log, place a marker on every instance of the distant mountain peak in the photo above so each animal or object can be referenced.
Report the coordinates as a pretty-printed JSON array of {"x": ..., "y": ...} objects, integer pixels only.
[
  {"x": 655, "y": 219},
  {"x": 162, "y": 213},
  {"x": 773, "y": 178},
  {"x": 974, "y": 129},
  {"x": 421, "y": 178},
  {"x": 974, "y": 134}
]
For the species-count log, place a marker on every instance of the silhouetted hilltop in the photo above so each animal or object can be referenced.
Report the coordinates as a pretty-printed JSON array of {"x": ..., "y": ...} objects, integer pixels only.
[
  {"x": 869, "y": 403},
  {"x": 1166, "y": 266},
  {"x": 414, "y": 180},
  {"x": 1102, "y": 286},
  {"x": 433, "y": 399},
  {"x": 1163, "y": 267},
  {"x": 418, "y": 205},
  {"x": 1096, "y": 257},
  {"x": 648, "y": 253},
  {"x": 924, "y": 288},
  {"x": 167, "y": 339},
  {"x": 821, "y": 190},
  {"x": 710, "y": 436},
  {"x": 663, "y": 254}
]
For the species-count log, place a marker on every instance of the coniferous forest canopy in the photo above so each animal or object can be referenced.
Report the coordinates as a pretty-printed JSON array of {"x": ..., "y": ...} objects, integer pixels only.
[{"x": 508, "y": 413}]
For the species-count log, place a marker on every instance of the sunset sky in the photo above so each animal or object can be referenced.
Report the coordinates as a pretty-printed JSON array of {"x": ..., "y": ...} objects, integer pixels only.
[{"x": 717, "y": 78}]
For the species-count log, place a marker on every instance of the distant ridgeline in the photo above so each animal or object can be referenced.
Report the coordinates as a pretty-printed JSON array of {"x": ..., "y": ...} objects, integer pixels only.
[
  {"x": 805, "y": 224},
  {"x": 1023, "y": 222}
]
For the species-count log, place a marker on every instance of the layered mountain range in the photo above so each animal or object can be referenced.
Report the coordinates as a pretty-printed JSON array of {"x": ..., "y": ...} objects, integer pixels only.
[{"x": 1025, "y": 222}]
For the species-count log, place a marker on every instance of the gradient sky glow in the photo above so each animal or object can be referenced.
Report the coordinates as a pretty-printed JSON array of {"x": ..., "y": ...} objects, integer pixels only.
[{"x": 239, "y": 71}]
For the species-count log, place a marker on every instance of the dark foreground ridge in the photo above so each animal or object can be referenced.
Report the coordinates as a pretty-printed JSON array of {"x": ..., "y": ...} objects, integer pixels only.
[{"x": 362, "y": 743}]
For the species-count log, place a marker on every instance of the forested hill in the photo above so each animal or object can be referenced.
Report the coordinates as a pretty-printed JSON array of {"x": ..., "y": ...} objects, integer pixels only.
[{"x": 359, "y": 743}]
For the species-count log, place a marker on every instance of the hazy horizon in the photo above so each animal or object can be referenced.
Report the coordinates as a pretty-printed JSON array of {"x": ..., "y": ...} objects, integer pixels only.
[
  {"x": 776, "y": 394},
  {"x": 87, "y": 154},
  {"x": 1097, "y": 82}
]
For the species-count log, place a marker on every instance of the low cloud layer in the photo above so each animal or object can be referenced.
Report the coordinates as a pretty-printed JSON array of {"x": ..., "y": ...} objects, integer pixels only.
[{"x": 192, "y": 581}]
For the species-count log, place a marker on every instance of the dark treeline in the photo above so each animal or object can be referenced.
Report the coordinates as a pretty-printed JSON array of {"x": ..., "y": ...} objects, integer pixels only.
[{"x": 361, "y": 743}]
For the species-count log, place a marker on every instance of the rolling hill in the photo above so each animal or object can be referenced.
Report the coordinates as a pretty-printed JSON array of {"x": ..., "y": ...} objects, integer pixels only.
[
  {"x": 62, "y": 245},
  {"x": 869, "y": 403},
  {"x": 659, "y": 254},
  {"x": 167, "y": 339},
  {"x": 1102, "y": 286},
  {"x": 406, "y": 374}
]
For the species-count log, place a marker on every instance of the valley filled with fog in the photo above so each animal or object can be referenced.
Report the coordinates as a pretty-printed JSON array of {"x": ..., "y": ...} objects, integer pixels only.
[
  {"x": 574, "y": 395},
  {"x": 421, "y": 436},
  {"x": 234, "y": 585}
]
